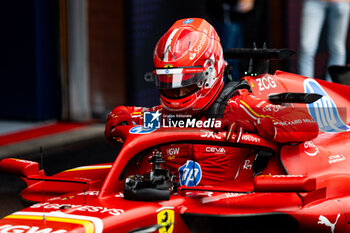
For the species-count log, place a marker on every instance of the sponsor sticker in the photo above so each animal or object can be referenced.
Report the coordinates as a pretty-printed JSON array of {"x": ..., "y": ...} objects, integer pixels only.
[
  {"x": 310, "y": 149},
  {"x": 209, "y": 134},
  {"x": 229, "y": 195},
  {"x": 190, "y": 173},
  {"x": 336, "y": 158},
  {"x": 266, "y": 83},
  {"x": 172, "y": 152},
  {"x": 324, "y": 111},
  {"x": 201, "y": 42},
  {"x": 188, "y": 21},
  {"x": 213, "y": 149},
  {"x": 90, "y": 224},
  {"x": 88, "y": 193},
  {"x": 192, "y": 56},
  {"x": 325, "y": 221},
  {"x": 82, "y": 208},
  {"x": 27, "y": 229},
  {"x": 248, "y": 165},
  {"x": 250, "y": 138},
  {"x": 166, "y": 218}
]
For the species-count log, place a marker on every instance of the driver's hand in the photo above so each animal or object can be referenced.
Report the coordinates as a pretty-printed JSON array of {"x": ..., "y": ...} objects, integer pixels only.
[
  {"x": 264, "y": 127},
  {"x": 239, "y": 127},
  {"x": 119, "y": 116}
]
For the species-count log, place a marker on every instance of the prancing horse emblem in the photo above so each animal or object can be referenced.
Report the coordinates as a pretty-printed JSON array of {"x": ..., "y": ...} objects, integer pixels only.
[{"x": 323, "y": 220}]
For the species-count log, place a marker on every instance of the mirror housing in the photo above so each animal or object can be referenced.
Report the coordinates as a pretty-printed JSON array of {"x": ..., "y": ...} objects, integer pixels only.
[{"x": 284, "y": 183}]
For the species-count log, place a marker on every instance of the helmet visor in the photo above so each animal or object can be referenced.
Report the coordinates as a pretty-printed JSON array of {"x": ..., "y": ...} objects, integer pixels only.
[
  {"x": 179, "y": 77},
  {"x": 177, "y": 93}
]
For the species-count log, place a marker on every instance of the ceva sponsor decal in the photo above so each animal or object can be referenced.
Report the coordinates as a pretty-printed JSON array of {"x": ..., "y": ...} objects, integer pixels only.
[
  {"x": 215, "y": 149},
  {"x": 324, "y": 111}
]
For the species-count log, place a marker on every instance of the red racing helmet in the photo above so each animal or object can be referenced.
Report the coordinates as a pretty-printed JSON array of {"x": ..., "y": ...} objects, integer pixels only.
[{"x": 189, "y": 66}]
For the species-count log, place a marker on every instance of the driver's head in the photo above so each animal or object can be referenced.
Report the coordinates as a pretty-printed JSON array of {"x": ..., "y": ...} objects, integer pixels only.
[{"x": 189, "y": 66}]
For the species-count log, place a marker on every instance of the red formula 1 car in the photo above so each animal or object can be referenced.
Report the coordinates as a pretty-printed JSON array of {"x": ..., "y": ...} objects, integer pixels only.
[{"x": 302, "y": 187}]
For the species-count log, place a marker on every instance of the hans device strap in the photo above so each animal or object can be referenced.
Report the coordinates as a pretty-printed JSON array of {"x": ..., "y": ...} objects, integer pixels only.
[{"x": 216, "y": 110}]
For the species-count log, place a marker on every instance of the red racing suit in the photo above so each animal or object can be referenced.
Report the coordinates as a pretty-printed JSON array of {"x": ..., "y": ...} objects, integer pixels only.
[{"x": 216, "y": 164}]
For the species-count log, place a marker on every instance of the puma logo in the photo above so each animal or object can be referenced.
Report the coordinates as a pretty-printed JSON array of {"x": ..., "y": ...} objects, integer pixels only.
[{"x": 323, "y": 220}]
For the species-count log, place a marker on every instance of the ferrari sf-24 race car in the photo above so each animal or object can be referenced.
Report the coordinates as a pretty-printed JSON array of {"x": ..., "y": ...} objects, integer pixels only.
[{"x": 302, "y": 187}]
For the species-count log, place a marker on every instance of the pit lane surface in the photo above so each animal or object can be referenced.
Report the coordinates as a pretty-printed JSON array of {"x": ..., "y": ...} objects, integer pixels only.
[{"x": 54, "y": 161}]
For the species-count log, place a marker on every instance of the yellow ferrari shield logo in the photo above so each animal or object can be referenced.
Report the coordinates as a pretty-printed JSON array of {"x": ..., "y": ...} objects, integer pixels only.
[{"x": 166, "y": 218}]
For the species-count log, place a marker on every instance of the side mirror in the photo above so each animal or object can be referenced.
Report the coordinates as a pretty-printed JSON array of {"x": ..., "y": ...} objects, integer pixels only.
[
  {"x": 284, "y": 183},
  {"x": 19, "y": 167},
  {"x": 293, "y": 97}
]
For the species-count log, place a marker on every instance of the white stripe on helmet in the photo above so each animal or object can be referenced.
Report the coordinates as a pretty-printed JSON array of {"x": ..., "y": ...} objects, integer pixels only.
[{"x": 167, "y": 45}]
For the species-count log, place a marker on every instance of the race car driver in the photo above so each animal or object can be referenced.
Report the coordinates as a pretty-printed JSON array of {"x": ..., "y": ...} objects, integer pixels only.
[{"x": 189, "y": 69}]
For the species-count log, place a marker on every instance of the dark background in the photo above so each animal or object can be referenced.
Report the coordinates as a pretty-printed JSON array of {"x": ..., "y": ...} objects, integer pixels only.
[{"x": 121, "y": 37}]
